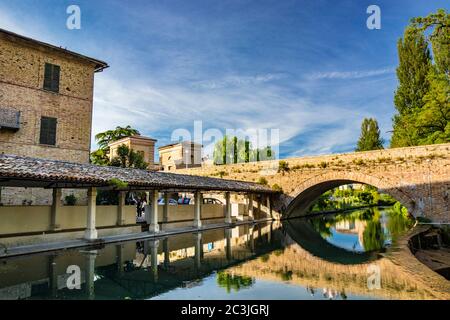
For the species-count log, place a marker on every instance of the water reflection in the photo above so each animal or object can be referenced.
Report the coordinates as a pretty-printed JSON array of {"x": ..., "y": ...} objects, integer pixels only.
[
  {"x": 303, "y": 259},
  {"x": 364, "y": 230}
]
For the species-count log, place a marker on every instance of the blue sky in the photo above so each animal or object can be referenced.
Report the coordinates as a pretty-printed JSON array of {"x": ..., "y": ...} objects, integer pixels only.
[{"x": 311, "y": 69}]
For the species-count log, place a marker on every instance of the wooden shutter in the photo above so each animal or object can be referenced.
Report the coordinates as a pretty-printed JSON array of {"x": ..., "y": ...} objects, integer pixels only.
[
  {"x": 48, "y": 76},
  {"x": 51, "y": 77},
  {"x": 55, "y": 78},
  {"x": 48, "y": 131}
]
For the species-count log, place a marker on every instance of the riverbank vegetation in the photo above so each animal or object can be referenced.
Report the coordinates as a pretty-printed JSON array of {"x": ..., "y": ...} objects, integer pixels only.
[{"x": 351, "y": 197}]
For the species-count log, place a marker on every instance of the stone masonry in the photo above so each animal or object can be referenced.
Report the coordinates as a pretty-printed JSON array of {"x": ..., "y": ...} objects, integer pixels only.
[{"x": 418, "y": 177}]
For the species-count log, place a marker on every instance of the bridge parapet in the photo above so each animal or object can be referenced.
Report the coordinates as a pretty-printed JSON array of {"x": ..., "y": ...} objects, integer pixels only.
[{"x": 419, "y": 177}]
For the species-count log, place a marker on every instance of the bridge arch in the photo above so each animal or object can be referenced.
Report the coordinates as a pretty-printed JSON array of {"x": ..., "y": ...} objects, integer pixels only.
[{"x": 311, "y": 189}]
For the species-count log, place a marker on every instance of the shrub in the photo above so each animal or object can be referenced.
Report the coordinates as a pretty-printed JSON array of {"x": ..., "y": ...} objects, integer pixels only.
[
  {"x": 323, "y": 165},
  {"x": 119, "y": 184},
  {"x": 283, "y": 166},
  {"x": 262, "y": 181},
  {"x": 70, "y": 200},
  {"x": 277, "y": 188}
]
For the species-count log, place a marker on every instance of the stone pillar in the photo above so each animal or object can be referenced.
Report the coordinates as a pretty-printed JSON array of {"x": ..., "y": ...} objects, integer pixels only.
[
  {"x": 269, "y": 235},
  {"x": 53, "y": 276},
  {"x": 166, "y": 208},
  {"x": 197, "y": 210},
  {"x": 250, "y": 207},
  {"x": 269, "y": 207},
  {"x": 228, "y": 243},
  {"x": 56, "y": 206},
  {"x": 121, "y": 208},
  {"x": 90, "y": 273},
  {"x": 91, "y": 232},
  {"x": 154, "y": 256},
  {"x": 252, "y": 239},
  {"x": 198, "y": 249},
  {"x": 228, "y": 208},
  {"x": 153, "y": 223},
  {"x": 120, "y": 261},
  {"x": 259, "y": 207},
  {"x": 166, "y": 252}
]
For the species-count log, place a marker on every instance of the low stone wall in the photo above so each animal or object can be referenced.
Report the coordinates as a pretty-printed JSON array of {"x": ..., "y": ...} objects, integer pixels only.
[
  {"x": 11, "y": 196},
  {"x": 27, "y": 219}
]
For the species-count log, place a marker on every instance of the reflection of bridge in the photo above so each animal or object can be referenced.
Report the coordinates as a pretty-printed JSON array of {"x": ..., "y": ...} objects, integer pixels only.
[
  {"x": 418, "y": 177},
  {"x": 117, "y": 271},
  {"x": 321, "y": 265}
]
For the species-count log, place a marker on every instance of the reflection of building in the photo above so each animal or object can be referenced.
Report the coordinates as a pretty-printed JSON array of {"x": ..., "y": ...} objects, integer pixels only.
[
  {"x": 45, "y": 105},
  {"x": 352, "y": 227},
  {"x": 180, "y": 155},
  {"x": 140, "y": 144}
]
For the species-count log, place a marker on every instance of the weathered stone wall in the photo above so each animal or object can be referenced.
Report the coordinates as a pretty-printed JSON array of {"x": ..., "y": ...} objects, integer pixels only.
[
  {"x": 37, "y": 196},
  {"x": 419, "y": 177}
]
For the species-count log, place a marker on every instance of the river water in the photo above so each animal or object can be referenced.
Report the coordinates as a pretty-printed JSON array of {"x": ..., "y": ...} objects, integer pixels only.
[{"x": 326, "y": 257}]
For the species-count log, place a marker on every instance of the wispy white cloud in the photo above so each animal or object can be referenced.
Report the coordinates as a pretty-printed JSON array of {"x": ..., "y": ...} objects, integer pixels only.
[
  {"x": 238, "y": 80},
  {"x": 164, "y": 108},
  {"x": 350, "y": 74}
]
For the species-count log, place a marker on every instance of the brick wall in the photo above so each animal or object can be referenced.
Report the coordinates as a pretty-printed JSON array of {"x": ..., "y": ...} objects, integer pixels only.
[{"x": 22, "y": 68}]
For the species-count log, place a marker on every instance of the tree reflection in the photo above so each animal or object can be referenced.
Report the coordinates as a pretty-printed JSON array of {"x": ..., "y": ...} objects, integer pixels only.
[
  {"x": 235, "y": 282},
  {"x": 374, "y": 226}
]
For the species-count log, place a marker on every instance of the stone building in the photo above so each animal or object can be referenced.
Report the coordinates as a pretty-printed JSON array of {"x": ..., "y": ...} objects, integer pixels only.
[
  {"x": 180, "y": 155},
  {"x": 142, "y": 145},
  {"x": 46, "y": 100}
]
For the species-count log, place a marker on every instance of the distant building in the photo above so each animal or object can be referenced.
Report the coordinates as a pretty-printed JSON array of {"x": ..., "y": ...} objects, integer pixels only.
[
  {"x": 180, "y": 155},
  {"x": 46, "y": 101},
  {"x": 142, "y": 145}
]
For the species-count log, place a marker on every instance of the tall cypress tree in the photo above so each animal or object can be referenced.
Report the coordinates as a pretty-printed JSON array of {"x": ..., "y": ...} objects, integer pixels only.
[
  {"x": 370, "y": 138},
  {"x": 414, "y": 66}
]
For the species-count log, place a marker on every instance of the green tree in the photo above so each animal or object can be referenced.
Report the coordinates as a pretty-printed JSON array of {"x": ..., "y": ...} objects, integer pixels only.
[
  {"x": 100, "y": 156},
  {"x": 422, "y": 98},
  {"x": 433, "y": 120},
  {"x": 370, "y": 136},
  {"x": 128, "y": 158},
  {"x": 104, "y": 138},
  {"x": 439, "y": 37},
  {"x": 234, "y": 150},
  {"x": 414, "y": 66}
]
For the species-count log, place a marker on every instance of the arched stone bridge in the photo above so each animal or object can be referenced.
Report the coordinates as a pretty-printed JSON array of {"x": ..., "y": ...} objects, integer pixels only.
[{"x": 418, "y": 177}]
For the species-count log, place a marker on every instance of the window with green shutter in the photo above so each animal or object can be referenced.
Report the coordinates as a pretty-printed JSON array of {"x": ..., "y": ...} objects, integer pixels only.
[
  {"x": 51, "y": 77},
  {"x": 48, "y": 131}
]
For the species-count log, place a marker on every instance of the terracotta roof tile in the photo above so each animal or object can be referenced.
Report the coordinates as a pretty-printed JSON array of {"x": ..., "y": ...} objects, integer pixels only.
[{"x": 26, "y": 171}]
